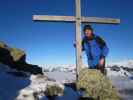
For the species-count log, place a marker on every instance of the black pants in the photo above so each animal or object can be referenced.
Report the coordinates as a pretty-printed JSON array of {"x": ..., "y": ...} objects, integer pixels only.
[{"x": 101, "y": 68}]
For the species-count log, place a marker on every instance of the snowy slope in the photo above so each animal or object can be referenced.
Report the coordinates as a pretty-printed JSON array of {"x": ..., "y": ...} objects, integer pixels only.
[
  {"x": 13, "y": 86},
  {"x": 30, "y": 87}
]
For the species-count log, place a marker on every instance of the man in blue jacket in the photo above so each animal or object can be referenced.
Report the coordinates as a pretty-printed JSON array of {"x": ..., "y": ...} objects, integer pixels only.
[{"x": 95, "y": 48}]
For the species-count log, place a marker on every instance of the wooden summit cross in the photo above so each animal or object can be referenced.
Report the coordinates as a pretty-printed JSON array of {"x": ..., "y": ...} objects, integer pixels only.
[{"x": 78, "y": 19}]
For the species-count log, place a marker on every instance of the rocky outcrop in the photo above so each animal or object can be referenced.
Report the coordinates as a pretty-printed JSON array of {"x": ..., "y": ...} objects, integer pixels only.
[
  {"x": 11, "y": 54},
  {"x": 40, "y": 88},
  {"x": 95, "y": 85},
  {"x": 52, "y": 91},
  {"x": 115, "y": 68},
  {"x": 16, "y": 58}
]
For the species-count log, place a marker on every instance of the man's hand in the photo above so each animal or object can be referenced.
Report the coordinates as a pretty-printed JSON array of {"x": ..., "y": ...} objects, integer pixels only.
[{"x": 101, "y": 61}]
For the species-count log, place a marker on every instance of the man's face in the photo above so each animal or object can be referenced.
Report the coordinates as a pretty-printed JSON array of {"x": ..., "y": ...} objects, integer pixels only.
[{"x": 88, "y": 33}]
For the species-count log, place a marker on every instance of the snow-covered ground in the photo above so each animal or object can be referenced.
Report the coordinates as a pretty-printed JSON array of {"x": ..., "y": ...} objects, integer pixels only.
[{"x": 23, "y": 87}]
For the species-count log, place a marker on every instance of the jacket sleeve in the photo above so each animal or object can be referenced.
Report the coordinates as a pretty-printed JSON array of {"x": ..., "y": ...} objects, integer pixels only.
[
  {"x": 103, "y": 46},
  {"x": 105, "y": 51}
]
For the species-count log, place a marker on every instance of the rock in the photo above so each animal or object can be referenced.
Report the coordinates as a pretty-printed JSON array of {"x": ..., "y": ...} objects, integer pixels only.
[
  {"x": 54, "y": 90},
  {"x": 115, "y": 68},
  {"x": 3, "y": 45},
  {"x": 26, "y": 94},
  {"x": 95, "y": 85},
  {"x": 33, "y": 69},
  {"x": 38, "y": 78},
  {"x": 40, "y": 87},
  {"x": 16, "y": 59},
  {"x": 17, "y": 54},
  {"x": 5, "y": 56}
]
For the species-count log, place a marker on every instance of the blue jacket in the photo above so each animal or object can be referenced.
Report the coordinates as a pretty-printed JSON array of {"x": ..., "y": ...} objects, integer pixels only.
[{"x": 95, "y": 49}]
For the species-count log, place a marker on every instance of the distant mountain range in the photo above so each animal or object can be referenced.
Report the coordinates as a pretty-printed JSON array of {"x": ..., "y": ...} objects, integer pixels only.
[
  {"x": 123, "y": 68},
  {"x": 125, "y": 63},
  {"x": 59, "y": 67}
]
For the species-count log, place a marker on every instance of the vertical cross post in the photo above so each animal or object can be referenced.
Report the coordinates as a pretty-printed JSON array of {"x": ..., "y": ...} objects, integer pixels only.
[{"x": 78, "y": 38}]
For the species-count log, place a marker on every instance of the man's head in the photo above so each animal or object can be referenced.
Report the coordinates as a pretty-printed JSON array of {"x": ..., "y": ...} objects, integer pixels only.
[{"x": 88, "y": 31}]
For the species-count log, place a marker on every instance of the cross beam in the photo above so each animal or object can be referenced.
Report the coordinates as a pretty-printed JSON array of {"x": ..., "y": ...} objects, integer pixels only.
[
  {"x": 78, "y": 19},
  {"x": 73, "y": 19}
]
